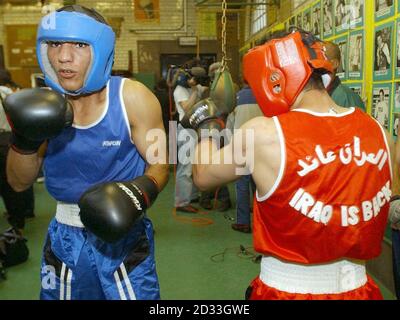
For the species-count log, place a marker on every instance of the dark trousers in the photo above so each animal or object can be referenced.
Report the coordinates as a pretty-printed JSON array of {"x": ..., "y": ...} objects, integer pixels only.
[
  {"x": 222, "y": 195},
  {"x": 18, "y": 204}
]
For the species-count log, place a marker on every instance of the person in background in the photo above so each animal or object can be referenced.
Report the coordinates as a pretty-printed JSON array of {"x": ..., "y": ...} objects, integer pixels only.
[
  {"x": 221, "y": 196},
  {"x": 341, "y": 94},
  {"x": 187, "y": 92},
  {"x": 246, "y": 109},
  {"x": 19, "y": 205}
]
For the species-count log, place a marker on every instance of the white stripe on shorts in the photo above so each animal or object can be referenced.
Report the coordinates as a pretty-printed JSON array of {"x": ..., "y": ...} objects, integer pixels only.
[
  {"x": 62, "y": 275},
  {"x": 128, "y": 284},
  {"x": 119, "y": 286}
]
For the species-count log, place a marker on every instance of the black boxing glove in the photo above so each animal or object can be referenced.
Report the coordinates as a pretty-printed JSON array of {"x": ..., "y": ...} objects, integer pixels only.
[
  {"x": 204, "y": 116},
  {"x": 34, "y": 116},
  {"x": 109, "y": 210}
]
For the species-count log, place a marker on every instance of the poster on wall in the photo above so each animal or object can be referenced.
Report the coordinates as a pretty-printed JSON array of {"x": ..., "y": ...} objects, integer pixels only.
[
  {"x": 383, "y": 9},
  {"x": 356, "y": 58},
  {"x": 307, "y": 20},
  {"x": 342, "y": 70},
  {"x": 397, "y": 59},
  {"x": 327, "y": 18},
  {"x": 356, "y": 12},
  {"x": 395, "y": 127},
  {"x": 382, "y": 52},
  {"x": 316, "y": 19},
  {"x": 396, "y": 97},
  {"x": 396, "y": 109},
  {"x": 342, "y": 16},
  {"x": 381, "y": 97},
  {"x": 147, "y": 10}
]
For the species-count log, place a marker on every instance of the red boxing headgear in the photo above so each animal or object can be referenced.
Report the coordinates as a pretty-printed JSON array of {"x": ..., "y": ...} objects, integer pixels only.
[{"x": 278, "y": 70}]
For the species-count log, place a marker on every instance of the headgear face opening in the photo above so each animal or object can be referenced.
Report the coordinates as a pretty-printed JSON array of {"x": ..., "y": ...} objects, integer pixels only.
[
  {"x": 279, "y": 70},
  {"x": 77, "y": 26}
]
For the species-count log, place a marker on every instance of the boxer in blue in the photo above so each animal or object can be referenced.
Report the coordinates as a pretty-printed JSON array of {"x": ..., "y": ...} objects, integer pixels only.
[{"x": 90, "y": 132}]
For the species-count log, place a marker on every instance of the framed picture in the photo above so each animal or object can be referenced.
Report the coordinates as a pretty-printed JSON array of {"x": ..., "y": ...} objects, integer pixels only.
[
  {"x": 316, "y": 20},
  {"x": 342, "y": 42},
  {"x": 397, "y": 56},
  {"x": 382, "y": 52},
  {"x": 147, "y": 10},
  {"x": 327, "y": 18},
  {"x": 395, "y": 125},
  {"x": 356, "y": 12},
  {"x": 356, "y": 55},
  {"x": 383, "y": 9},
  {"x": 307, "y": 20},
  {"x": 396, "y": 97},
  {"x": 381, "y": 97},
  {"x": 342, "y": 16}
]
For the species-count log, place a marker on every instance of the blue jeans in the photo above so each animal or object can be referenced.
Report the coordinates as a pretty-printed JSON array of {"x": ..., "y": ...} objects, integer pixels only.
[
  {"x": 185, "y": 190},
  {"x": 243, "y": 199},
  {"x": 396, "y": 260}
]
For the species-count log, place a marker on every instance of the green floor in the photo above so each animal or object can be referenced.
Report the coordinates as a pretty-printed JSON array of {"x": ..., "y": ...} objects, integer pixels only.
[{"x": 184, "y": 253}]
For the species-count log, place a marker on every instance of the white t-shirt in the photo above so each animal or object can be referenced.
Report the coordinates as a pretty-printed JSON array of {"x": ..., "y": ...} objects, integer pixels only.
[
  {"x": 183, "y": 94},
  {"x": 4, "y": 91}
]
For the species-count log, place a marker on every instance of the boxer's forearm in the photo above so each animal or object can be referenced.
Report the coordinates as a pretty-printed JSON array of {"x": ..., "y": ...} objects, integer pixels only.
[
  {"x": 22, "y": 170},
  {"x": 160, "y": 173},
  {"x": 213, "y": 167}
]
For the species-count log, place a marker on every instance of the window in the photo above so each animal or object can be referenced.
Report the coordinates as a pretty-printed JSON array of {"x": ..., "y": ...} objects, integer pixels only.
[{"x": 258, "y": 18}]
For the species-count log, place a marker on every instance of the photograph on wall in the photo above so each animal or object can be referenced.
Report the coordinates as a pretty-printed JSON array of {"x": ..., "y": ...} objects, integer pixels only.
[
  {"x": 342, "y": 15},
  {"x": 147, "y": 10},
  {"x": 342, "y": 70},
  {"x": 382, "y": 52},
  {"x": 316, "y": 19},
  {"x": 307, "y": 20},
  {"x": 299, "y": 20},
  {"x": 327, "y": 18},
  {"x": 397, "y": 60},
  {"x": 396, "y": 98},
  {"x": 356, "y": 12},
  {"x": 383, "y": 9},
  {"x": 356, "y": 58},
  {"x": 395, "y": 127},
  {"x": 381, "y": 97}
]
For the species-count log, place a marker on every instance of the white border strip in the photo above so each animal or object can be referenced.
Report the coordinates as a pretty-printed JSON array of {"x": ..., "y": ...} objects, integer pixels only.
[
  {"x": 326, "y": 114},
  {"x": 124, "y": 112}
]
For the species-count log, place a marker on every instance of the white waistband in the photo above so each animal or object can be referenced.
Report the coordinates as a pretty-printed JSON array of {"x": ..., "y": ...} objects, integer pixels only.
[
  {"x": 68, "y": 214},
  {"x": 332, "y": 278}
]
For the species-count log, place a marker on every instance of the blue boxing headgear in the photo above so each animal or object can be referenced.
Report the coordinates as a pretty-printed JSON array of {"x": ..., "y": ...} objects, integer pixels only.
[{"x": 75, "y": 26}]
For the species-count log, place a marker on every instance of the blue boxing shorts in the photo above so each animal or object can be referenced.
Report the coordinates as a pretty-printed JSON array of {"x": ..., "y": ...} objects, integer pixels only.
[{"x": 78, "y": 265}]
